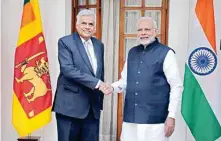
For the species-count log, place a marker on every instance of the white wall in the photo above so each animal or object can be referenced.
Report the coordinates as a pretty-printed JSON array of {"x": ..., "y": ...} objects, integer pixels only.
[
  {"x": 56, "y": 23},
  {"x": 10, "y": 25},
  {"x": 178, "y": 40}
]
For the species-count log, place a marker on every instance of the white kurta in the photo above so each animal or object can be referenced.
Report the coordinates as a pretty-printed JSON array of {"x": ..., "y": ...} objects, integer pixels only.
[
  {"x": 153, "y": 132},
  {"x": 143, "y": 132}
]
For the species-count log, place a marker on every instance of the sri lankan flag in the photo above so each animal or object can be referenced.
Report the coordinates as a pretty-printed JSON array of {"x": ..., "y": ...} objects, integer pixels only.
[
  {"x": 32, "y": 95},
  {"x": 201, "y": 101}
]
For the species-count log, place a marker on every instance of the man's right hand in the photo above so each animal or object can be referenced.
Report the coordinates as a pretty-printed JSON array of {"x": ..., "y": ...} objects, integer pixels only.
[
  {"x": 106, "y": 88},
  {"x": 169, "y": 126}
]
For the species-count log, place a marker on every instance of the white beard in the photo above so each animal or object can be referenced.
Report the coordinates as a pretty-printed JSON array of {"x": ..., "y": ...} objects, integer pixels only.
[{"x": 146, "y": 42}]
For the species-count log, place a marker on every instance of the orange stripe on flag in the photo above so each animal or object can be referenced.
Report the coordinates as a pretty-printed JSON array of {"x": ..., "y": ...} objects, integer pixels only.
[
  {"x": 205, "y": 14},
  {"x": 28, "y": 15}
]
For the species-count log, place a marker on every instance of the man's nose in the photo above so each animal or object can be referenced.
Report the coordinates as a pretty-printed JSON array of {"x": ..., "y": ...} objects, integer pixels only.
[
  {"x": 87, "y": 26},
  {"x": 143, "y": 32}
]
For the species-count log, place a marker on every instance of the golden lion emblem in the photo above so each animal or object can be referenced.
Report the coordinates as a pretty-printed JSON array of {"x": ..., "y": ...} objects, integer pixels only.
[{"x": 33, "y": 75}]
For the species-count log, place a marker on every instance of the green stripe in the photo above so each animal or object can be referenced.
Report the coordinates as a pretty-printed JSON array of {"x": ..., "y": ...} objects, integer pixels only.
[
  {"x": 197, "y": 112},
  {"x": 26, "y": 1}
]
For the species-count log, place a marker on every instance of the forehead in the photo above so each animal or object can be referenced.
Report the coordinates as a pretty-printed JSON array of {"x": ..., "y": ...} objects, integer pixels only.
[
  {"x": 145, "y": 24},
  {"x": 88, "y": 19}
]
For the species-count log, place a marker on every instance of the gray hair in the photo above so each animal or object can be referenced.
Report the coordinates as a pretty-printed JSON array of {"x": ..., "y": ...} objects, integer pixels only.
[
  {"x": 147, "y": 18},
  {"x": 85, "y": 12}
]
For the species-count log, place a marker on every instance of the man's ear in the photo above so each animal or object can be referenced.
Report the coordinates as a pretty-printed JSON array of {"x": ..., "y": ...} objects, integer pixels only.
[
  {"x": 77, "y": 25},
  {"x": 94, "y": 31},
  {"x": 156, "y": 31}
]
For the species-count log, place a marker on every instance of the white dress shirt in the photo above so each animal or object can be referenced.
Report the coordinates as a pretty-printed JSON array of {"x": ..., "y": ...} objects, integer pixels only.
[
  {"x": 89, "y": 48},
  {"x": 171, "y": 72}
]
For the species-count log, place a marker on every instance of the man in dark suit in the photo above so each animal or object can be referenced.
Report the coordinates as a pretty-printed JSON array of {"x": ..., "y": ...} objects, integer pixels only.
[{"x": 78, "y": 98}]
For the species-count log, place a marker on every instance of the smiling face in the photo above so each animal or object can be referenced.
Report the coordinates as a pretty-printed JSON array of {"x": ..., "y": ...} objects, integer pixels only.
[
  {"x": 86, "y": 27},
  {"x": 146, "y": 32}
]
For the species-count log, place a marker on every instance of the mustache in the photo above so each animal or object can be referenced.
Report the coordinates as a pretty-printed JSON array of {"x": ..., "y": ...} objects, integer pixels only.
[
  {"x": 146, "y": 41},
  {"x": 146, "y": 38}
]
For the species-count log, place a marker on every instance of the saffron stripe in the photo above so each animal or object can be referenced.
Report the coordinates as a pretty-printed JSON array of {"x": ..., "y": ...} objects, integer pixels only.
[{"x": 205, "y": 14}]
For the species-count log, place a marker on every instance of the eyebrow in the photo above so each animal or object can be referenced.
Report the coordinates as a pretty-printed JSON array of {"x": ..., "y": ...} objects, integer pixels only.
[
  {"x": 90, "y": 23},
  {"x": 144, "y": 28}
]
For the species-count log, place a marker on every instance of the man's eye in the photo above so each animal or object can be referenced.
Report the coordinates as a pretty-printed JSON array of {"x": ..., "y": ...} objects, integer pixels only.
[{"x": 147, "y": 29}]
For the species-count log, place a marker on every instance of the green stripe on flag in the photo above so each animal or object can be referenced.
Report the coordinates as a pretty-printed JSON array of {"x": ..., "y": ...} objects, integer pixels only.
[
  {"x": 26, "y": 1},
  {"x": 197, "y": 112}
]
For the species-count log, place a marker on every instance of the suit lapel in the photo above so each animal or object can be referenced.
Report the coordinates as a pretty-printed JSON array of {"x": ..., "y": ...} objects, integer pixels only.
[
  {"x": 82, "y": 51},
  {"x": 97, "y": 51}
]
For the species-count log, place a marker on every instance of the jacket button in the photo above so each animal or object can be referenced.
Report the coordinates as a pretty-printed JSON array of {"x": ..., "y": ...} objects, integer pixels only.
[
  {"x": 135, "y": 104},
  {"x": 138, "y": 72},
  {"x": 137, "y": 82},
  {"x": 141, "y": 62},
  {"x": 136, "y": 93}
]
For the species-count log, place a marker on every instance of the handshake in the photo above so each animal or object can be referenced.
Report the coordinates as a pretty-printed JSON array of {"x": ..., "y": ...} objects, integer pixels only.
[{"x": 106, "y": 88}]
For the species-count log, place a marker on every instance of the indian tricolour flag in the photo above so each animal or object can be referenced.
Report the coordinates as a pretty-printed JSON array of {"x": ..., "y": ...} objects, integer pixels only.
[{"x": 201, "y": 103}]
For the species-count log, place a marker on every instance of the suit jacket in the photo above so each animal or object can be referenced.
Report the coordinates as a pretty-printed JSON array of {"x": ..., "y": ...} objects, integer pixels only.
[{"x": 76, "y": 92}]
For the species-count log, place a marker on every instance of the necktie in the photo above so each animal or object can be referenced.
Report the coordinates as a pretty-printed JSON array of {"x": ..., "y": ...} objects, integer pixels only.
[{"x": 90, "y": 56}]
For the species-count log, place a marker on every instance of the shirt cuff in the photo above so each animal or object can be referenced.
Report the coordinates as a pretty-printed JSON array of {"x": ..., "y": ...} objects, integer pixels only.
[
  {"x": 98, "y": 84},
  {"x": 172, "y": 115}
]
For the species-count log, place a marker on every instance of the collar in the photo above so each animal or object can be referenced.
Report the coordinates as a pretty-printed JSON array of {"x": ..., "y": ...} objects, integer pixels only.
[
  {"x": 150, "y": 42},
  {"x": 83, "y": 40},
  {"x": 150, "y": 45}
]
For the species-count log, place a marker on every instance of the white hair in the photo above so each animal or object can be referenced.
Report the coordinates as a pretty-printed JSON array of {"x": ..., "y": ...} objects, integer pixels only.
[
  {"x": 148, "y": 18},
  {"x": 85, "y": 12}
]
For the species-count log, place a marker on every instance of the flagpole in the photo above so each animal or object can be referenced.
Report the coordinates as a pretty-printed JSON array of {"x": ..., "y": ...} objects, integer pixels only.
[{"x": 29, "y": 136}]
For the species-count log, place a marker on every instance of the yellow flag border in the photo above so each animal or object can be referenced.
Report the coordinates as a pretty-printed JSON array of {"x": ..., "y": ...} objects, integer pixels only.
[{"x": 23, "y": 124}]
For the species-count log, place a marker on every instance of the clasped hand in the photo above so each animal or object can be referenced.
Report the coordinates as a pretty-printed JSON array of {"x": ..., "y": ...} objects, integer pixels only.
[{"x": 106, "y": 88}]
